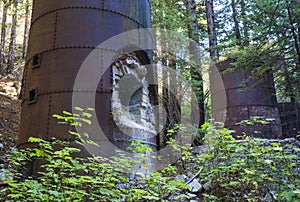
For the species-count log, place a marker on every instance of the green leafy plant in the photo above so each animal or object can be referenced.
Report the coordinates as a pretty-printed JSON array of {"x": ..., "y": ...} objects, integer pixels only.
[
  {"x": 65, "y": 176},
  {"x": 229, "y": 169},
  {"x": 248, "y": 169}
]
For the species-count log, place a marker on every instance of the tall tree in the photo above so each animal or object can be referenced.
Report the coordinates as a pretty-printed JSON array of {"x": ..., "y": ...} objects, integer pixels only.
[
  {"x": 13, "y": 35},
  {"x": 236, "y": 22},
  {"x": 211, "y": 29},
  {"x": 168, "y": 15},
  {"x": 26, "y": 28},
  {"x": 6, "y": 4},
  {"x": 245, "y": 24},
  {"x": 294, "y": 33},
  {"x": 195, "y": 68}
]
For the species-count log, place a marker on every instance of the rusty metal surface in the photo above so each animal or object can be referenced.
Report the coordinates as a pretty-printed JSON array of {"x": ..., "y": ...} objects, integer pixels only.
[
  {"x": 290, "y": 116},
  {"x": 62, "y": 34},
  {"x": 242, "y": 104},
  {"x": 53, "y": 68},
  {"x": 34, "y": 119},
  {"x": 136, "y": 10},
  {"x": 255, "y": 96}
]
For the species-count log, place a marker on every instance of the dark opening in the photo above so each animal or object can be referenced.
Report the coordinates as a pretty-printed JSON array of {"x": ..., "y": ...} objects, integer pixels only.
[
  {"x": 136, "y": 98},
  {"x": 36, "y": 61},
  {"x": 32, "y": 98},
  {"x": 130, "y": 90}
]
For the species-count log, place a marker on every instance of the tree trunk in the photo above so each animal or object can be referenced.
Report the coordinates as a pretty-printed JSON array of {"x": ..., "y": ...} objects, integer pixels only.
[
  {"x": 3, "y": 37},
  {"x": 26, "y": 29},
  {"x": 245, "y": 25},
  {"x": 294, "y": 34},
  {"x": 165, "y": 98},
  {"x": 236, "y": 22},
  {"x": 12, "y": 44},
  {"x": 195, "y": 69},
  {"x": 212, "y": 36}
]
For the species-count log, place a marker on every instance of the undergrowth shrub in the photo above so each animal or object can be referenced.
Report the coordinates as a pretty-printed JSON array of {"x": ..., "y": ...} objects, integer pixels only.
[
  {"x": 229, "y": 169},
  {"x": 64, "y": 176},
  {"x": 248, "y": 169}
]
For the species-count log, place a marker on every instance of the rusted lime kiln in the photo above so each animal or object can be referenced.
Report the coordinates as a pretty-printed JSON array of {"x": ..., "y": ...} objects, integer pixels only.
[
  {"x": 64, "y": 33},
  {"x": 237, "y": 97}
]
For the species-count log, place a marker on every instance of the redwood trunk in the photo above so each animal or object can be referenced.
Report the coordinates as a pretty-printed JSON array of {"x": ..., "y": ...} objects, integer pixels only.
[
  {"x": 3, "y": 37},
  {"x": 195, "y": 69},
  {"x": 236, "y": 22},
  {"x": 26, "y": 30},
  {"x": 212, "y": 36},
  {"x": 12, "y": 44}
]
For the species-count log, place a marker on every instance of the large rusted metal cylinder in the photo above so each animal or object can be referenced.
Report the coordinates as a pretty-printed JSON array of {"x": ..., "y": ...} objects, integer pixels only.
[
  {"x": 290, "y": 118},
  {"x": 63, "y": 33},
  {"x": 258, "y": 99}
]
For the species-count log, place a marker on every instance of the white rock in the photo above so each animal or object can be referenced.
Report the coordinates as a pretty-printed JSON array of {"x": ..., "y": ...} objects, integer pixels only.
[
  {"x": 207, "y": 186},
  {"x": 192, "y": 196},
  {"x": 184, "y": 178},
  {"x": 195, "y": 186}
]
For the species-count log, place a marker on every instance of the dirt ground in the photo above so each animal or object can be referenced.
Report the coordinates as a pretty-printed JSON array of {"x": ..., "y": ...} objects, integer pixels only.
[{"x": 9, "y": 111}]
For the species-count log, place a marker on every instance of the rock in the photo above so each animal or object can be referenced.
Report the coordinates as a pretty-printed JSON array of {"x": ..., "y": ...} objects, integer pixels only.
[
  {"x": 268, "y": 198},
  {"x": 181, "y": 177},
  {"x": 192, "y": 196},
  {"x": 195, "y": 186},
  {"x": 204, "y": 149},
  {"x": 141, "y": 72},
  {"x": 207, "y": 186},
  {"x": 189, "y": 174}
]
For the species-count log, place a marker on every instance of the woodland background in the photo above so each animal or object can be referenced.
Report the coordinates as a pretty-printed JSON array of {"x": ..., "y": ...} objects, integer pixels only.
[{"x": 264, "y": 35}]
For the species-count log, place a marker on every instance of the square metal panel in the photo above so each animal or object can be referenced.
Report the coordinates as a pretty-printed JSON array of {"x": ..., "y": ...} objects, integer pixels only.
[
  {"x": 43, "y": 7},
  {"x": 59, "y": 102},
  {"x": 57, "y": 71},
  {"x": 42, "y": 35},
  {"x": 256, "y": 96},
  {"x": 236, "y": 114},
  {"x": 30, "y": 125},
  {"x": 233, "y": 79},
  {"x": 83, "y": 27},
  {"x": 128, "y": 8}
]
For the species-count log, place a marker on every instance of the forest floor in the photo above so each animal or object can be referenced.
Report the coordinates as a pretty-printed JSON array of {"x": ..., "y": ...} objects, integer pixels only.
[{"x": 10, "y": 110}]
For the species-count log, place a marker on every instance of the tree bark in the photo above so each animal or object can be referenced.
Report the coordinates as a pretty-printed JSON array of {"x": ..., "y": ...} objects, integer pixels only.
[
  {"x": 195, "y": 69},
  {"x": 236, "y": 22},
  {"x": 211, "y": 29},
  {"x": 3, "y": 37},
  {"x": 165, "y": 98},
  {"x": 245, "y": 25},
  {"x": 13, "y": 35},
  {"x": 26, "y": 29},
  {"x": 294, "y": 34}
]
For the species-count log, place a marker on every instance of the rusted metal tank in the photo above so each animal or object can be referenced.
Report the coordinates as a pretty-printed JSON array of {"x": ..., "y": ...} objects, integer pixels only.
[
  {"x": 63, "y": 33},
  {"x": 290, "y": 117},
  {"x": 233, "y": 103}
]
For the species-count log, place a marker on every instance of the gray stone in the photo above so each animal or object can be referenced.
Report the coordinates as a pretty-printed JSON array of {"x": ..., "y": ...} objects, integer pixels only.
[
  {"x": 192, "y": 196},
  {"x": 204, "y": 149},
  {"x": 195, "y": 186},
  {"x": 268, "y": 198},
  {"x": 181, "y": 177},
  {"x": 4, "y": 177},
  {"x": 207, "y": 186}
]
